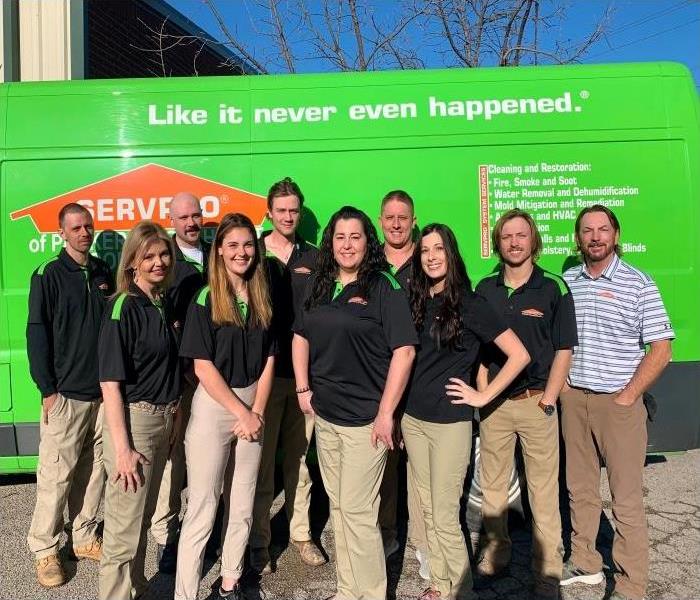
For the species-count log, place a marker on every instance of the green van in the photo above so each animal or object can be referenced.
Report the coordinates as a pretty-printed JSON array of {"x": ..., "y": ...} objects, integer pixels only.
[{"x": 467, "y": 144}]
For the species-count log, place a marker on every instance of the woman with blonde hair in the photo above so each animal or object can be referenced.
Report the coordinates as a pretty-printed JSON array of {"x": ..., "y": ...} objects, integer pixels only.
[
  {"x": 140, "y": 380},
  {"x": 227, "y": 334}
]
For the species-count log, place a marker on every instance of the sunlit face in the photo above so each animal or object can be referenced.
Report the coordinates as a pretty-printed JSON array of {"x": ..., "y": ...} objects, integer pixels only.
[
  {"x": 596, "y": 237},
  {"x": 433, "y": 257},
  {"x": 516, "y": 242},
  {"x": 238, "y": 251},
  {"x": 154, "y": 265},
  {"x": 397, "y": 222},
  {"x": 186, "y": 218},
  {"x": 78, "y": 231},
  {"x": 349, "y": 244},
  {"x": 285, "y": 214}
]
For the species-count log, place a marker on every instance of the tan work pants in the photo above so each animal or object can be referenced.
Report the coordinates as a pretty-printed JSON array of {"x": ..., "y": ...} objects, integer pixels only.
[
  {"x": 438, "y": 455},
  {"x": 216, "y": 460},
  {"x": 127, "y": 514},
  {"x": 289, "y": 428},
  {"x": 500, "y": 426},
  {"x": 70, "y": 471},
  {"x": 352, "y": 472},
  {"x": 388, "y": 505},
  {"x": 593, "y": 423},
  {"x": 166, "y": 520}
]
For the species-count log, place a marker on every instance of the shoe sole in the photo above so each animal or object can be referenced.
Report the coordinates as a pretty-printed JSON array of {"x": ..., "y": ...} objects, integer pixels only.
[
  {"x": 49, "y": 586},
  {"x": 593, "y": 579}
]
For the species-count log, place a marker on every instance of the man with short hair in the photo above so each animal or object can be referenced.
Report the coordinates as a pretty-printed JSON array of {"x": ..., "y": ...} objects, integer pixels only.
[
  {"x": 619, "y": 312},
  {"x": 397, "y": 220},
  {"x": 67, "y": 297},
  {"x": 291, "y": 260},
  {"x": 190, "y": 275},
  {"x": 538, "y": 307}
]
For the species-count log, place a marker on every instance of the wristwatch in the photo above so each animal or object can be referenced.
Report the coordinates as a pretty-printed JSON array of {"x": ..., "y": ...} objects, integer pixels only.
[{"x": 547, "y": 408}]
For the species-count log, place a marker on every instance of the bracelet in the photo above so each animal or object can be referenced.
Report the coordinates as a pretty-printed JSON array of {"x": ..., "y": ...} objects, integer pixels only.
[{"x": 302, "y": 390}]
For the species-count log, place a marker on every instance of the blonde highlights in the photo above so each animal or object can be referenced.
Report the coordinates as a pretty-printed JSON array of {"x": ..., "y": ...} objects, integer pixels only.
[
  {"x": 224, "y": 310},
  {"x": 137, "y": 243}
]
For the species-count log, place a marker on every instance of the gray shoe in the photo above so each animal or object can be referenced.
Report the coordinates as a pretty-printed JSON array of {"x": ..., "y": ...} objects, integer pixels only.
[{"x": 573, "y": 574}]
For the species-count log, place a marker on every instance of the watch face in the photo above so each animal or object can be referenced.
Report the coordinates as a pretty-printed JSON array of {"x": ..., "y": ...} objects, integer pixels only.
[{"x": 548, "y": 410}]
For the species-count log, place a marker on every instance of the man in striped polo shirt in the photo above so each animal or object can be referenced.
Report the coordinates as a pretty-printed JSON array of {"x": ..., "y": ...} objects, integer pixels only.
[{"x": 619, "y": 312}]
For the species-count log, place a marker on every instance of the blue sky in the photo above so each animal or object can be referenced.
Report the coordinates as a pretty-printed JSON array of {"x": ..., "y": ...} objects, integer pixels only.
[{"x": 640, "y": 30}]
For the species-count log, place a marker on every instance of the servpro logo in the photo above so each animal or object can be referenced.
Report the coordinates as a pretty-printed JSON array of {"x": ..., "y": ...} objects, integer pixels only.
[{"x": 120, "y": 202}]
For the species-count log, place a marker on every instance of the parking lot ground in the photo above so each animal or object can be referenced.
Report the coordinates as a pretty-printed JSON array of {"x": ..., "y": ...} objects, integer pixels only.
[{"x": 672, "y": 498}]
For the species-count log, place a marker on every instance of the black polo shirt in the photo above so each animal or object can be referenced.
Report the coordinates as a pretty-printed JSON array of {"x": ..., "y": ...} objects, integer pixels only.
[
  {"x": 351, "y": 340},
  {"x": 403, "y": 273},
  {"x": 139, "y": 348},
  {"x": 66, "y": 302},
  {"x": 189, "y": 277},
  {"x": 434, "y": 365},
  {"x": 239, "y": 354},
  {"x": 287, "y": 287},
  {"x": 541, "y": 313}
]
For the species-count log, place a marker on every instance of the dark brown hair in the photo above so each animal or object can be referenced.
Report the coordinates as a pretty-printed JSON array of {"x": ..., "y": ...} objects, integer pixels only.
[
  {"x": 611, "y": 217},
  {"x": 448, "y": 326},
  {"x": 286, "y": 187}
]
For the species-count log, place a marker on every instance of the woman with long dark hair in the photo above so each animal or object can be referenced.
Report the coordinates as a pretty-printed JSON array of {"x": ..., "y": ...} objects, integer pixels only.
[
  {"x": 352, "y": 353},
  {"x": 227, "y": 334},
  {"x": 452, "y": 323}
]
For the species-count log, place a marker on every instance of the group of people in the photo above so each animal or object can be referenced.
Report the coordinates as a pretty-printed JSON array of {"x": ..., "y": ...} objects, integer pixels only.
[{"x": 200, "y": 361}]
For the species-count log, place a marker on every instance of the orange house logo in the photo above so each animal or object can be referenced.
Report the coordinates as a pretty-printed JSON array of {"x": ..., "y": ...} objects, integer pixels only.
[{"x": 120, "y": 202}]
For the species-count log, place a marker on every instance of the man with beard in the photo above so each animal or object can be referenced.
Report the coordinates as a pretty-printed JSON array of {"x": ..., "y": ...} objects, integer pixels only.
[
  {"x": 191, "y": 262},
  {"x": 397, "y": 220},
  {"x": 67, "y": 297},
  {"x": 619, "y": 311},
  {"x": 539, "y": 308}
]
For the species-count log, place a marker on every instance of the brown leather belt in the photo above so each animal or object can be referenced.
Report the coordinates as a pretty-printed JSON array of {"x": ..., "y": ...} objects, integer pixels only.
[{"x": 528, "y": 393}]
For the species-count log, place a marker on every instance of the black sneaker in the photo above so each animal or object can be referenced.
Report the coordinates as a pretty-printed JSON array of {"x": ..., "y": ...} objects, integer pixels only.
[
  {"x": 573, "y": 574},
  {"x": 167, "y": 558},
  {"x": 232, "y": 594}
]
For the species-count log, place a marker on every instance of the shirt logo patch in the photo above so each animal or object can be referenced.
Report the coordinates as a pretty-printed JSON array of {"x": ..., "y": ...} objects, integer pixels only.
[
  {"x": 103, "y": 286},
  {"x": 302, "y": 270},
  {"x": 532, "y": 312},
  {"x": 358, "y": 300},
  {"x": 606, "y": 294}
]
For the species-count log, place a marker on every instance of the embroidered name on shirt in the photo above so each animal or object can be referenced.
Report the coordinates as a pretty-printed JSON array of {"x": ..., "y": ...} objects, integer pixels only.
[
  {"x": 358, "y": 300},
  {"x": 606, "y": 294},
  {"x": 532, "y": 312},
  {"x": 302, "y": 270}
]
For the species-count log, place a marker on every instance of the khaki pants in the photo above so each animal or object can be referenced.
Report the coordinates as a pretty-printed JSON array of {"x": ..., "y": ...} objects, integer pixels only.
[
  {"x": 438, "y": 455},
  {"x": 594, "y": 423},
  {"x": 388, "y": 505},
  {"x": 291, "y": 429},
  {"x": 501, "y": 424},
  {"x": 166, "y": 520},
  {"x": 127, "y": 514},
  {"x": 71, "y": 472},
  {"x": 352, "y": 472},
  {"x": 216, "y": 461}
]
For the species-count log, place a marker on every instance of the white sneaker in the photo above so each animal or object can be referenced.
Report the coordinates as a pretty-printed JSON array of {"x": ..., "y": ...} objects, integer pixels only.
[
  {"x": 573, "y": 574},
  {"x": 424, "y": 570}
]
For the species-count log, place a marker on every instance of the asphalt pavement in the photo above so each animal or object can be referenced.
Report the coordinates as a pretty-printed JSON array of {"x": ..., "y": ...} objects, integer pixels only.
[{"x": 672, "y": 497}]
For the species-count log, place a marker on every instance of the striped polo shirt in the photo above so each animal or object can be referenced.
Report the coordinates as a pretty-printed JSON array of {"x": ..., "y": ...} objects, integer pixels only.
[{"x": 617, "y": 314}]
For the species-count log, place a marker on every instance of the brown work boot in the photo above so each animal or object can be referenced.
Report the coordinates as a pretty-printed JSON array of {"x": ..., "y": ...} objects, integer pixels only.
[
  {"x": 91, "y": 551},
  {"x": 49, "y": 571},
  {"x": 310, "y": 554}
]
